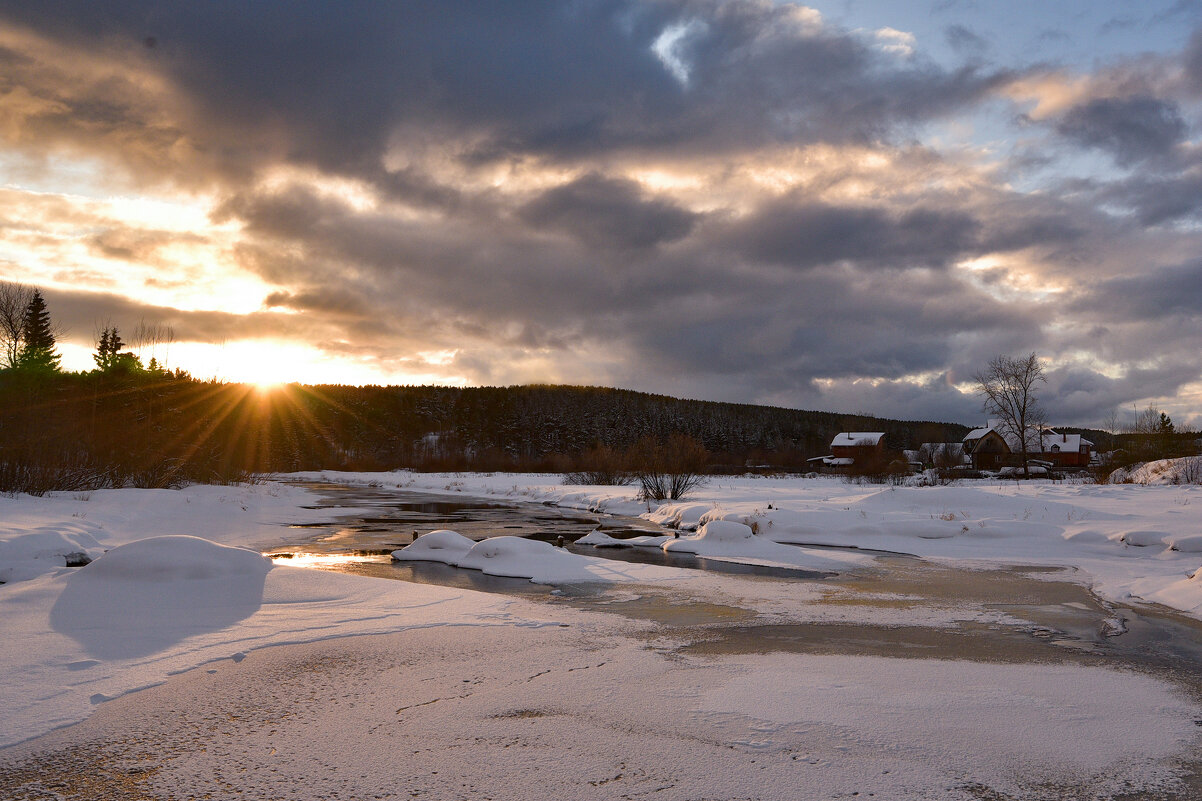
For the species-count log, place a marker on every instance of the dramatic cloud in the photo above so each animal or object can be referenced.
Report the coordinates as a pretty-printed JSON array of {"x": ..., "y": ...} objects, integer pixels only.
[
  {"x": 742, "y": 200},
  {"x": 1131, "y": 128}
]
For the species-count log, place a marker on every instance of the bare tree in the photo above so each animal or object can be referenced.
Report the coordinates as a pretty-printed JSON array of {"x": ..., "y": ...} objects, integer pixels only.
[
  {"x": 14, "y": 300},
  {"x": 152, "y": 343},
  {"x": 1007, "y": 389}
]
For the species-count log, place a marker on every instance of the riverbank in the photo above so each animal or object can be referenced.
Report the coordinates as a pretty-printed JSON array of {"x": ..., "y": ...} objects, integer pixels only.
[{"x": 1132, "y": 543}]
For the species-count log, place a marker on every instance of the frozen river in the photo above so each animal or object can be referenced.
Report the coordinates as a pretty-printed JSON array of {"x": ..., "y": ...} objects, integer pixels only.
[{"x": 897, "y": 678}]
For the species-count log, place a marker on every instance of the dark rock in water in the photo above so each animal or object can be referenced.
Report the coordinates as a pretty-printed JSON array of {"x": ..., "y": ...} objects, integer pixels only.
[{"x": 77, "y": 559}]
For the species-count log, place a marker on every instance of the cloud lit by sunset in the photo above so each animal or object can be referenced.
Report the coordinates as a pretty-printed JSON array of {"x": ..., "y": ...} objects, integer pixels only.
[{"x": 846, "y": 206}]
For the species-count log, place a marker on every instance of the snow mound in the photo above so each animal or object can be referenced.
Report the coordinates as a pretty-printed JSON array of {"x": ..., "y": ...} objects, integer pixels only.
[
  {"x": 599, "y": 539},
  {"x": 43, "y": 550},
  {"x": 1144, "y": 539},
  {"x": 150, "y": 595},
  {"x": 712, "y": 533},
  {"x": 679, "y": 515},
  {"x": 518, "y": 557},
  {"x": 1191, "y": 543},
  {"x": 168, "y": 560},
  {"x": 442, "y": 545}
]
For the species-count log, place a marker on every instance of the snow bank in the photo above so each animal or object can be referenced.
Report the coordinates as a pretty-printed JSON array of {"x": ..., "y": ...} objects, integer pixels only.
[
  {"x": 37, "y": 534},
  {"x": 149, "y": 595},
  {"x": 723, "y": 539},
  {"x": 1186, "y": 470},
  {"x": 180, "y": 561}
]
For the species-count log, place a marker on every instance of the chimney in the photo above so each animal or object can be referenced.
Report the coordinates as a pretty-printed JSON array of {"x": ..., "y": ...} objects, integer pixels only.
[{"x": 1065, "y": 437}]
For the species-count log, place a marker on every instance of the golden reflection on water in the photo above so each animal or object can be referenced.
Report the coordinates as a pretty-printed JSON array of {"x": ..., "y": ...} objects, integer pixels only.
[{"x": 326, "y": 561}]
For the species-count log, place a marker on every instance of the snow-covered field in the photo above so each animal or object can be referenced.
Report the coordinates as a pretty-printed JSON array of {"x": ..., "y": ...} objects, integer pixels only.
[{"x": 173, "y": 587}]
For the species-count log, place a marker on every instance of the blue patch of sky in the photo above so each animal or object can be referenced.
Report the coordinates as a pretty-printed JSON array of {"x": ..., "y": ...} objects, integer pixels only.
[
  {"x": 1015, "y": 33},
  {"x": 1079, "y": 35}
]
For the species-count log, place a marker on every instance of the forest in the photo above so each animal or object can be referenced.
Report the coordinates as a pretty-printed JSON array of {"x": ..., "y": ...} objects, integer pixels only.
[{"x": 136, "y": 427}]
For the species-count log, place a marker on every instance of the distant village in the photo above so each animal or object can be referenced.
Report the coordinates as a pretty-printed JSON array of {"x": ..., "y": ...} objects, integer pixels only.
[{"x": 993, "y": 449}]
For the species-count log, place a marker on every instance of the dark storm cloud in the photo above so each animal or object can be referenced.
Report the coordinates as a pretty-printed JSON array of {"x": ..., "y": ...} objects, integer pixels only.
[
  {"x": 1132, "y": 129},
  {"x": 608, "y": 213},
  {"x": 1155, "y": 294},
  {"x": 803, "y": 234},
  {"x": 1080, "y": 394},
  {"x": 1159, "y": 199},
  {"x": 338, "y": 86}
]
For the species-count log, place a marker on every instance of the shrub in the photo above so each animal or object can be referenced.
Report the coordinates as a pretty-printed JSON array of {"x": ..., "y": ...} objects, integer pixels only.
[
  {"x": 600, "y": 464},
  {"x": 668, "y": 470}
]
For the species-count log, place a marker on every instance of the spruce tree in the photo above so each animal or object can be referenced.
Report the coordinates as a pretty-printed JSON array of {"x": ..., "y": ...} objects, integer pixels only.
[
  {"x": 37, "y": 346},
  {"x": 108, "y": 350}
]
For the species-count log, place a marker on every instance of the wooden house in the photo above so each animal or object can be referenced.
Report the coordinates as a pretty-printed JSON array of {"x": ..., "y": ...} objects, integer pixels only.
[
  {"x": 851, "y": 448},
  {"x": 994, "y": 447}
]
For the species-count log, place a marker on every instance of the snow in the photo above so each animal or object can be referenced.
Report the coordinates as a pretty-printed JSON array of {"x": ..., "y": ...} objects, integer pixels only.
[
  {"x": 850, "y": 438},
  {"x": 441, "y": 545},
  {"x": 982, "y": 523},
  {"x": 177, "y": 582},
  {"x": 599, "y": 539},
  {"x": 1034, "y": 721},
  {"x": 146, "y": 610},
  {"x": 726, "y": 539},
  {"x": 1186, "y": 470},
  {"x": 518, "y": 557}
]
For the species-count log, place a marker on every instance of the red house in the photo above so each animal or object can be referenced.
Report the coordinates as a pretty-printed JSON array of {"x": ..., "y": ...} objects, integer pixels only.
[
  {"x": 856, "y": 447},
  {"x": 995, "y": 446}
]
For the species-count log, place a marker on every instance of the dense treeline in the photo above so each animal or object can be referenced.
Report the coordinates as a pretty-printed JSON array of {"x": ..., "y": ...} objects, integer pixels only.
[{"x": 157, "y": 428}]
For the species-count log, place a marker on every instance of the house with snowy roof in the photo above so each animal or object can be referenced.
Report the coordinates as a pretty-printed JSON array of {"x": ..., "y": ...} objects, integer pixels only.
[
  {"x": 996, "y": 446},
  {"x": 855, "y": 447}
]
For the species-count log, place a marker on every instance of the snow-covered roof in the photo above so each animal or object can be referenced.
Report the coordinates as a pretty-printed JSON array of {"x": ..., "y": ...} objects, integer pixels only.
[
  {"x": 849, "y": 438},
  {"x": 1063, "y": 442},
  {"x": 838, "y": 461}
]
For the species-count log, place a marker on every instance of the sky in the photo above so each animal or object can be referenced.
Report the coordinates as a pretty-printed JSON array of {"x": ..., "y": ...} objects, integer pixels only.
[{"x": 847, "y": 205}]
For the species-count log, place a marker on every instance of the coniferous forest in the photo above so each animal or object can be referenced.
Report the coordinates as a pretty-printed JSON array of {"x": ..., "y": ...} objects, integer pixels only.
[{"x": 160, "y": 428}]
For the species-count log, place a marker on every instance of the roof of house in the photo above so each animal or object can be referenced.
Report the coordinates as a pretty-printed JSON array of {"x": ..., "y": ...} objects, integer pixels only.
[{"x": 848, "y": 438}]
